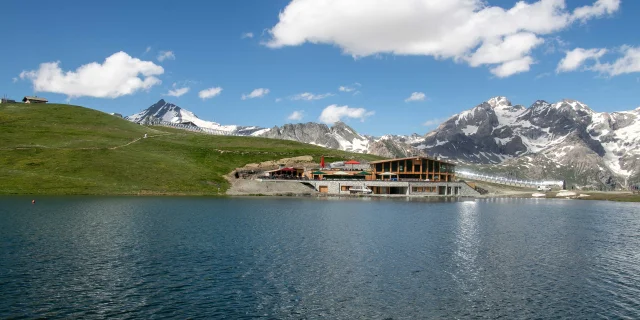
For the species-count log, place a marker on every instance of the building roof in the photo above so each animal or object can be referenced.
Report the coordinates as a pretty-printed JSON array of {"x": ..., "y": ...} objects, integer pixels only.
[
  {"x": 411, "y": 158},
  {"x": 35, "y": 99},
  {"x": 288, "y": 169}
]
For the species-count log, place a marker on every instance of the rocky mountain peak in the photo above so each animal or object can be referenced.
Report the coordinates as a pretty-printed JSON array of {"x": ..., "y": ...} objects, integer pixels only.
[
  {"x": 499, "y": 102},
  {"x": 573, "y": 105},
  {"x": 171, "y": 113},
  {"x": 341, "y": 126},
  {"x": 540, "y": 103}
]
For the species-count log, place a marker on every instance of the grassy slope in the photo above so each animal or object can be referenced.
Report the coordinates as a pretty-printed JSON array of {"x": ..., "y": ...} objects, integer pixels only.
[{"x": 61, "y": 149}]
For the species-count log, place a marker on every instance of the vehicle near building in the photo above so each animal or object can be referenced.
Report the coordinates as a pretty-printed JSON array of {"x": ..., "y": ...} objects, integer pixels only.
[{"x": 544, "y": 188}]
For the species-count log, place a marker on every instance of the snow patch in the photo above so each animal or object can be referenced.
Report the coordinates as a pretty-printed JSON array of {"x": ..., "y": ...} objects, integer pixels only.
[{"x": 470, "y": 130}]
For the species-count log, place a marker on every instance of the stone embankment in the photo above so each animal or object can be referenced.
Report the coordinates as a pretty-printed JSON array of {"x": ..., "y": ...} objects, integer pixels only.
[{"x": 244, "y": 182}]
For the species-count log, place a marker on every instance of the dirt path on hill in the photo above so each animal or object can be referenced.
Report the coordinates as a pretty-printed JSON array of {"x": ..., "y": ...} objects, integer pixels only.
[{"x": 85, "y": 148}]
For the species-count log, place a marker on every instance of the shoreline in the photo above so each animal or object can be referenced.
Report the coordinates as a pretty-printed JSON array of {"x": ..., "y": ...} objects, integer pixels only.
[{"x": 593, "y": 196}]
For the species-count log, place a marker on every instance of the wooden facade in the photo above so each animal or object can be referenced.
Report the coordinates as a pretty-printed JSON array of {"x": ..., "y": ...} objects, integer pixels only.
[
  {"x": 285, "y": 172},
  {"x": 413, "y": 168}
]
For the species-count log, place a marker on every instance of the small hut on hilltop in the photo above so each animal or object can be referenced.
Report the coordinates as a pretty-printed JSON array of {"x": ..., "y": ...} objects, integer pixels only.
[{"x": 34, "y": 100}]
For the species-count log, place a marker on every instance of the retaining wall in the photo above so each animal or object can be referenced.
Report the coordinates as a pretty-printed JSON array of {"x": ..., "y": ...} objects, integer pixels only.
[{"x": 334, "y": 187}]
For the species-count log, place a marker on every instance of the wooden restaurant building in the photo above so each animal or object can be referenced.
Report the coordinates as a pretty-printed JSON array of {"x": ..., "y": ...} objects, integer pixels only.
[
  {"x": 413, "y": 169},
  {"x": 411, "y": 176}
]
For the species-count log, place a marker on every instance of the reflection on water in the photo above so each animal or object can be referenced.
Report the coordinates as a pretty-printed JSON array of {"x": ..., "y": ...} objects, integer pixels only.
[
  {"x": 467, "y": 243},
  {"x": 85, "y": 257}
]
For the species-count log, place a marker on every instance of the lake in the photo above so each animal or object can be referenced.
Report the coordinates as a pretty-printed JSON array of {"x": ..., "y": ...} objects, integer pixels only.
[{"x": 307, "y": 258}]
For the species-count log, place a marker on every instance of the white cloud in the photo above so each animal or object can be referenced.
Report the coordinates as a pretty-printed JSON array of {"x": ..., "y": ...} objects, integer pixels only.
[
  {"x": 434, "y": 122},
  {"x": 416, "y": 96},
  {"x": 469, "y": 31},
  {"x": 210, "y": 93},
  {"x": 598, "y": 9},
  {"x": 628, "y": 63},
  {"x": 505, "y": 50},
  {"x": 147, "y": 50},
  {"x": 246, "y": 35},
  {"x": 177, "y": 92},
  {"x": 510, "y": 68},
  {"x": 346, "y": 89},
  {"x": 296, "y": 115},
  {"x": 349, "y": 88},
  {"x": 15, "y": 79},
  {"x": 308, "y": 96},
  {"x": 278, "y": 99},
  {"x": 575, "y": 58},
  {"x": 256, "y": 93},
  {"x": 335, "y": 113},
  {"x": 166, "y": 55},
  {"x": 118, "y": 75}
]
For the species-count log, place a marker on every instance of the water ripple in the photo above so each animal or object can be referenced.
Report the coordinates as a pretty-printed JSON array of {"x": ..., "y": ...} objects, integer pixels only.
[{"x": 123, "y": 258}]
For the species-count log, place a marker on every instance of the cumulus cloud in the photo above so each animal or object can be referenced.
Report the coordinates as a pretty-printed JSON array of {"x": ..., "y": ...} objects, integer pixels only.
[
  {"x": 246, "y": 35},
  {"x": 210, "y": 93},
  {"x": 15, "y": 79},
  {"x": 628, "y": 63},
  {"x": 166, "y": 55},
  {"x": 256, "y": 93},
  {"x": 335, "y": 113},
  {"x": 470, "y": 31},
  {"x": 296, "y": 115},
  {"x": 575, "y": 58},
  {"x": 308, "y": 96},
  {"x": 510, "y": 68},
  {"x": 119, "y": 75},
  {"x": 416, "y": 96},
  {"x": 177, "y": 92},
  {"x": 598, "y": 9}
]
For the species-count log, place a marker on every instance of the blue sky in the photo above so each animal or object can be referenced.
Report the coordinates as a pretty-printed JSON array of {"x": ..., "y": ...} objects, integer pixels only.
[{"x": 452, "y": 56}]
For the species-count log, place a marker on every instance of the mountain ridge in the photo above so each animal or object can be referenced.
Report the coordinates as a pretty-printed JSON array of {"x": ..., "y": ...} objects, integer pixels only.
[{"x": 594, "y": 148}]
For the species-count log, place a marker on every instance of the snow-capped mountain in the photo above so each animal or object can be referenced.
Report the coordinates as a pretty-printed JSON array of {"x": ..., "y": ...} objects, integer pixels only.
[
  {"x": 164, "y": 111},
  {"x": 339, "y": 136},
  {"x": 342, "y": 137},
  {"x": 561, "y": 139}
]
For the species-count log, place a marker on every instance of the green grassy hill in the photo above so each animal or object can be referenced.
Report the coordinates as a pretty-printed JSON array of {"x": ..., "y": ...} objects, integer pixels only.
[{"x": 62, "y": 149}]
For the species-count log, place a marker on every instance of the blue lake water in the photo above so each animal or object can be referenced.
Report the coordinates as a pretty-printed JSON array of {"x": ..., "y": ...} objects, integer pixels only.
[{"x": 288, "y": 258}]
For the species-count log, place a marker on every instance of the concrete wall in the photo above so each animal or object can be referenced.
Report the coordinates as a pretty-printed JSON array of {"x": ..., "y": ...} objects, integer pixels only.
[{"x": 334, "y": 187}]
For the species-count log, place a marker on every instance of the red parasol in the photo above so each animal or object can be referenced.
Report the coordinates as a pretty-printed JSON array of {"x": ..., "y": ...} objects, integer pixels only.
[
  {"x": 352, "y": 162},
  {"x": 322, "y": 162}
]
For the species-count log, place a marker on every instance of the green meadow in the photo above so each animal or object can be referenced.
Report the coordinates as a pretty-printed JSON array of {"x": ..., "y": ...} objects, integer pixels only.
[{"x": 53, "y": 149}]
